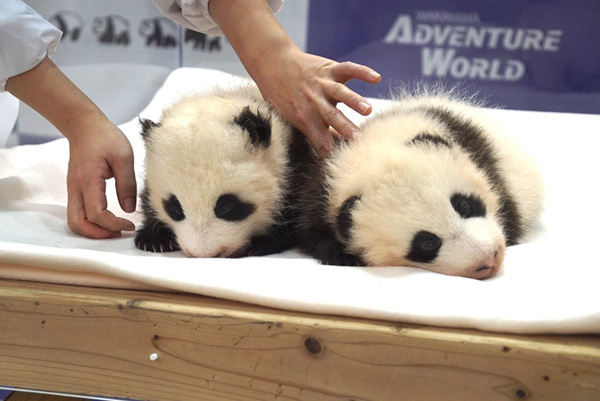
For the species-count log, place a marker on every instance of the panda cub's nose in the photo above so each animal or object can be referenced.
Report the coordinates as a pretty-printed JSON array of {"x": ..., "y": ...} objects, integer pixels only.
[{"x": 489, "y": 264}]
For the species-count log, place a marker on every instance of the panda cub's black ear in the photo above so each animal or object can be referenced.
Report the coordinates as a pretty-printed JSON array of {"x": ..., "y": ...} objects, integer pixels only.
[
  {"x": 147, "y": 126},
  {"x": 258, "y": 126}
]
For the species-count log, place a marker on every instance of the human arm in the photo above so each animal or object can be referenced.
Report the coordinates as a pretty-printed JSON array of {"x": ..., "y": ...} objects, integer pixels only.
[
  {"x": 302, "y": 87},
  {"x": 194, "y": 14},
  {"x": 98, "y": 149}
]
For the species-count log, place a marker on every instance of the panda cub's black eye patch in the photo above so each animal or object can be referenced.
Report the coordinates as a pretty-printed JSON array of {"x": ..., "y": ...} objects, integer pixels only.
[
  {"x": 424, "y": 247},
  {"x": 467, "y": 206},
  {"x": 230, "y": 207},
  {"x": 173, "y": 208}
]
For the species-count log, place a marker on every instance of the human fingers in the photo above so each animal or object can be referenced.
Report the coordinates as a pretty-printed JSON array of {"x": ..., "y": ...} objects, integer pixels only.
[
  {"x": 94, "y": 201},
  {"x": 78, "y": 222},
  {"x": 318, "y": 134},
  {"x": 336, "y": 135},
  {"x": 344, "y": 72},
  {"x": 321, "y": 140},
  {"x": 122, "y": 167},
  {"x": 334, "y": 118},
  {"x": 337, "y": 92}
]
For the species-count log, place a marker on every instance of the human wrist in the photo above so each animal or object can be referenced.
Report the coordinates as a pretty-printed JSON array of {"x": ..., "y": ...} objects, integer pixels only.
[
  {"x": 81, "y": 123},
  {"x": 49, "y": 92},
  {"x": 253, "y": 32},
  {"x": 270, "y": 59}
]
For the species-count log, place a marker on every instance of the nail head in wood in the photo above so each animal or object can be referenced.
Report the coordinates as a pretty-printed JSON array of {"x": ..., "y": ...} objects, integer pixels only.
[{"x": 313, "y": 346}]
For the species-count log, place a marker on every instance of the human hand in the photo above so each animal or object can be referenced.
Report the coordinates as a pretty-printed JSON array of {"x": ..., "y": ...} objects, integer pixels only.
[
  {"x": 98, "y": 152},
  {"x": 98, "y": 149},
  {"x": 302, "y": 87},
  {"x": 305, "y": 90}
]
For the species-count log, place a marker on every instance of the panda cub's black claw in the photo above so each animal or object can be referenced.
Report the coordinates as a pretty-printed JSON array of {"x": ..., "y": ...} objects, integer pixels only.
[{"x": 156, "y": 237}]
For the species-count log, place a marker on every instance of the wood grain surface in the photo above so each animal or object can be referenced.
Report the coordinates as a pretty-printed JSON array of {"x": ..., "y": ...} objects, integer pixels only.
[{"x": 161, "y": 346}]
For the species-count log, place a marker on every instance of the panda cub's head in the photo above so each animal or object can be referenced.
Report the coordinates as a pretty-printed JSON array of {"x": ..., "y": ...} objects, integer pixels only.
[
  {"x": 405, "y": 195},
  {"x": 215, "y": 169}
]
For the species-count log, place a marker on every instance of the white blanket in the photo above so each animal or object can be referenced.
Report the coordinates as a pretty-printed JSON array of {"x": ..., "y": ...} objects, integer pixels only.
[{"x": 548, "y": 285}]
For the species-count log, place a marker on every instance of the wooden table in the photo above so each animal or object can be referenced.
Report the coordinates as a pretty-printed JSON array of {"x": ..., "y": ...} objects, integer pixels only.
[{"x": 180, "y": 347}]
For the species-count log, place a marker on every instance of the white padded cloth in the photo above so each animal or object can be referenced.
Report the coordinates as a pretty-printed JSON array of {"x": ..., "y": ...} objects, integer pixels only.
[{"x": 547, "y": 285}]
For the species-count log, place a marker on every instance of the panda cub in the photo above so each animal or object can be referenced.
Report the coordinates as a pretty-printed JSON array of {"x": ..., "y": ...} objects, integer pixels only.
[
  {"x": 216, "y": 177},
  {"x": 430, "y": 184}
]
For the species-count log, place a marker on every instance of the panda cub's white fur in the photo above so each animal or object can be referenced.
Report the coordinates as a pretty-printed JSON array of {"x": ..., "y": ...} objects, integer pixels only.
[
  {"x": 430, "y": 184},
  {"x": 216, "y": 169}
]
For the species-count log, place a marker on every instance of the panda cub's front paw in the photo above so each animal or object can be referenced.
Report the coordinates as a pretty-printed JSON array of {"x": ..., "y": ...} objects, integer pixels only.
[
  {"x": 333, "y": 253},
  {"x": 156, "y": 238},
  {"x": 341, "y": 258}
]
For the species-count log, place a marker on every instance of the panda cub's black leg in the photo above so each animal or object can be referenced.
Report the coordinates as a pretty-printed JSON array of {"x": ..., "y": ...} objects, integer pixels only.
[
  {"x": 279, "y": 238},
  {"x": 269, "y": 244},
  {"x": 334, "y": 254},
  {"x": 328, "y": 250},
  {"x": 261, "y": 246},
  {"x": 156, "y": 236}
]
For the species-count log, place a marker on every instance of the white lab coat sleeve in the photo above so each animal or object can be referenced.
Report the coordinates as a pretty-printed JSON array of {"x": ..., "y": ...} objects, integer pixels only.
[
  {"x": 194, "y": 15},
  {"x": 26, "y": 38}
]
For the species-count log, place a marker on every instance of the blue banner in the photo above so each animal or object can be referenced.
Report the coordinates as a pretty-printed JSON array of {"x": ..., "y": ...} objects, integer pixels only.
[{"x": 527, "y": 54}]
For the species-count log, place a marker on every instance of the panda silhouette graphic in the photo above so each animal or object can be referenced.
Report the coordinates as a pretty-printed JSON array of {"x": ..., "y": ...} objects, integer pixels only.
[
  {"x": 159, "y": 31},
  {"x": 202, "y": 41},
  {"x": 112, "y": 29},
  {"x": 70, "y": 23}
]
